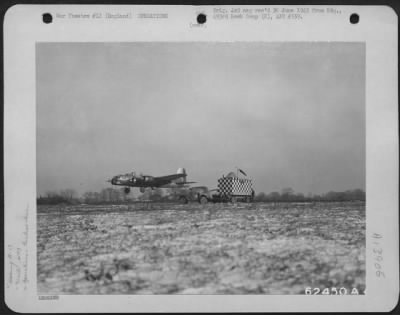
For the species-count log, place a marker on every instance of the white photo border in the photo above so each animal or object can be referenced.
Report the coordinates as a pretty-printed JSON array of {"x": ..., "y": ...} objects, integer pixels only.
[{"x": 23, "y": 28}]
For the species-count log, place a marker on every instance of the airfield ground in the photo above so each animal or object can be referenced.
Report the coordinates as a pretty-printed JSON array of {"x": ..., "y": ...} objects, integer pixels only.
[{"x": 258, "y": 248}]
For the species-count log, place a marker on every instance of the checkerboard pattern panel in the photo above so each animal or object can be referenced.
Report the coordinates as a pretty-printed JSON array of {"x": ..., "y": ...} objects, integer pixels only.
[{"x": 229, "y": 186}]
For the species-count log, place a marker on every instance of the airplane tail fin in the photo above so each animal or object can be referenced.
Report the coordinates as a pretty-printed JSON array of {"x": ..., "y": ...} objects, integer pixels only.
[
  {"x": 181, "y": 170},
  {"x": 181, "y": 180}
]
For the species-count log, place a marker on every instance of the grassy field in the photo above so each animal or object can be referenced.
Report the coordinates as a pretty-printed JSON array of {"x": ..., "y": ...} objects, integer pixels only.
[{"x": 200, "y": 249}]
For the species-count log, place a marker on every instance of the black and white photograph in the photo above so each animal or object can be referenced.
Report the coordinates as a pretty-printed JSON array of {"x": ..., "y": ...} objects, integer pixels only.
[
  {"x": 176, "y": 158},
  {"x": 201, "y": 168}
]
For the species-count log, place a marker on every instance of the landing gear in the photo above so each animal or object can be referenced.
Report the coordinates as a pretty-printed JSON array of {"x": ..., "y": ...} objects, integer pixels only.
[{"x": 127, "y": 190}]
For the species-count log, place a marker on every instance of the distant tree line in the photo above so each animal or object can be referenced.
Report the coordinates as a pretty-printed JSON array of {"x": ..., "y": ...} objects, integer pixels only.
[
  {"x": 67, "y": 196},
  {"x": 289, "y": 195},
  {"x": 117, "y": 196},
  {"x": 105, "y": 196}
]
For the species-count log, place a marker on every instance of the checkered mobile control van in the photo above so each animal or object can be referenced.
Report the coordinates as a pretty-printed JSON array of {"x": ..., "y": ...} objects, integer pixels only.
[{"x": 234, "y": 187}]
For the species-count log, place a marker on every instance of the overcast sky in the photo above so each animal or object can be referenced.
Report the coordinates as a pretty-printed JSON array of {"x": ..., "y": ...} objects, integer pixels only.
[{"x": 289, "y": 114}]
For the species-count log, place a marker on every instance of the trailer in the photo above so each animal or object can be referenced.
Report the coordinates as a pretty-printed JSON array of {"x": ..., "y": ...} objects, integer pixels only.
[
  {"x": 235, "y": 189},
  {"x": 230, "y": 189}
]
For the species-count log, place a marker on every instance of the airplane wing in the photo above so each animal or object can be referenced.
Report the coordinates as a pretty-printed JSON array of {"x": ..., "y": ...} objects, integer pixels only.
[{"x": 169, "y": 178}]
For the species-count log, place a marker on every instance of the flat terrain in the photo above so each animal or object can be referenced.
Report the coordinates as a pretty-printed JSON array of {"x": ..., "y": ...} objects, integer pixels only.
[{"x": 255, "y": 248}]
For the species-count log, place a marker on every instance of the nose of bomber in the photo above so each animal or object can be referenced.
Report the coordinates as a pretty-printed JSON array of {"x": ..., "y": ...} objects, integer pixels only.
[{"x": 112, "y": 180}]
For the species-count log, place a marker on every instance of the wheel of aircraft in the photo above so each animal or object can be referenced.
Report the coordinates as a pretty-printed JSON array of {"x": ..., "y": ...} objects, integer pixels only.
[{"x": 127, "y": 190}]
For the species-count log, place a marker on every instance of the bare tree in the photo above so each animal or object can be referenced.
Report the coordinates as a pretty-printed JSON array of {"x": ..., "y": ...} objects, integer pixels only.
[{"x": 68, "y": 194}]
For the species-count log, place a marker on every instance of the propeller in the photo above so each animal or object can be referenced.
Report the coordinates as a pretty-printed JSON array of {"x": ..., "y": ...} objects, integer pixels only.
[{"x": 110, "y": 180}]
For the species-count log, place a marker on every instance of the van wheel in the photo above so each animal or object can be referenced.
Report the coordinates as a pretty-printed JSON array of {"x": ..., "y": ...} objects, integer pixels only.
[
  {"x": 203, "y": 200},
  {"x": 183, "y": 200}
]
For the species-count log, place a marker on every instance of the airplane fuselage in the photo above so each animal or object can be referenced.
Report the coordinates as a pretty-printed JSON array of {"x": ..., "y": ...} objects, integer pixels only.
[
  {"x": 141, "y": 181},
  {"x": 144, "y": 181}
]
